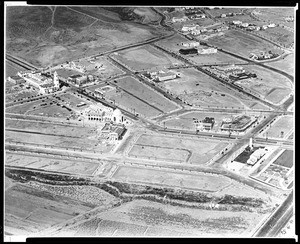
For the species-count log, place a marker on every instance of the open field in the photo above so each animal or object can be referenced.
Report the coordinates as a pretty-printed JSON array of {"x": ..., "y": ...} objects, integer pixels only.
[
  {"x": 72, "y": 35},
  {"x": 242, "y": 43},
  {"x": 144, "y": 218},
  {"x": 144, "y": 58},
  {"x": 51, "y": 164},
  {"x": 201, "y": 22},
  {"x": 279, "y": 35},
  {"x": 50, "y": 111},
  {"x": 23, "y": 108},
  {"x": 106, "y": 70},
  {"x": 200, "y": 181},
  {"x": 28, "y": 210},
  {"x": 71, "y": 100},
  {"x": 275, "y": 15},
  {"x": 11, "y": 69},
  {"x": 148, "y": 15},
  {"x": 132, "y": 104},
  {"x": 159, "y": 153},
  {"x": 272, "y": 86},
  {"x": 61, "y": 142},
  {"x": 152, "y": 97},
  {"x": 284, "y": 124},
  {"x": 46, "y": 127},
  {"x": 201, "y": 150},
  {"x": 200, "y": 89},
  {"x": 285, "y": 159},
  {"x": 186, "y": 121},
  {"x": 287, "y": 64}
]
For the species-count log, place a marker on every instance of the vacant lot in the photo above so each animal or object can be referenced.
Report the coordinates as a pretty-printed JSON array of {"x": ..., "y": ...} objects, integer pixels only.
[
  {"x": 287, "y": 64},
  {"x": 279, "y": 35},
  {"x": 24, "y": 107},
  {"x": 133, "y": 104},
  {"x": 145, "y": 58},
  {"x": 272, "y": 86},
  {"x": 50, "y": 128},
  {"x": 33, "y": 35},
  {"x": 202, "y": 150},
  {"x": 275, "y": 15},
  {"x": 144, "y": 218},
  {"x": 20, "y": 94},
  {"x": 28, "y": 210},
  {"x": 200, "y": 89},
  {"x": 284, "y": 124},
  {"x": 201, "y": 181},
  {"x": 51, "y": 164},
  {"x": 61, "y": 142},
  {"x": 286, "y": 159},
  {"x": 145, "y": 93},
  {"x": 242, "y": 43},
  {"x": 159, "y": 153}
]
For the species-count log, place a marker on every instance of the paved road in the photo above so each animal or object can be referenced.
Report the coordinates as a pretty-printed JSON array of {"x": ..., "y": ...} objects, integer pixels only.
[{"x": 278, "y": 219}]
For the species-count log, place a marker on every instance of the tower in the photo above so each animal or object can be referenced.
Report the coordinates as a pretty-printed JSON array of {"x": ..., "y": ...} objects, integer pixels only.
[
  {"x": 55, "y": 80},
  {"x": 251, "y": 143}
]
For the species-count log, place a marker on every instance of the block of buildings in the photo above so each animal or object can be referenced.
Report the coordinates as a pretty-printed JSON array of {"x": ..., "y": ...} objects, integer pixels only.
[{"x": 189, "y": 27}]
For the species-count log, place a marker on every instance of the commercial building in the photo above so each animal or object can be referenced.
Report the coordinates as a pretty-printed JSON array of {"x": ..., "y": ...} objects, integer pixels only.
[
  {"x": 112, "y": 132},
  {"x": 242, "y": 76},
  {"x": 209, "y": 50},
  {"x": 206, "y": 124},
  {"x": 43, "y": 83},
  {"x": 188, "y": 51},
  {"x": 256, "y": 155}
]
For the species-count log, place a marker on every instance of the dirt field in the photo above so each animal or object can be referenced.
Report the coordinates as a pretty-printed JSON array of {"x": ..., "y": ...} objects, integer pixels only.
[
  {"x": 200, "y": 89},
  {"x": 241, "y": 43},
  {"x": 72, "y": 35},
  {"x": 46, "y": 127},
  {"x": 286, "y": 159},
  {"x": 285, "y": 124},
  {"x": 275, "y": 15},
  {"x": 28, "y": 210},
  {"x": 279, "y": 35},
  {"x": 287, "y": 64},
  {"x": 140, "y": 90},
  {"x": 272, "y": 86},
  {"x": 51, "y": 164},
  {"x": 159, "y": 153},
  {"x": 201, "y": 181},
  {"x": 202, "y": 150},
  {"x": 63, "y": 142},
  {"x": 144, "y": 58},
  {"x": 144, "y": 218}
]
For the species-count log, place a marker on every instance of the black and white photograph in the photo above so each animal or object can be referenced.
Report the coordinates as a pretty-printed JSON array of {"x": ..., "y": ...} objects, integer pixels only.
[{"x": 149, "y": 121}]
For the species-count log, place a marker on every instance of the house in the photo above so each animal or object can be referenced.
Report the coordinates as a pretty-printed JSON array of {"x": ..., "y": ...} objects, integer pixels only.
[
  {"x": 209, "y": 50},
  {"x": 223, "y": 15},
  {"x": 237, "y": 22},
  {"x": 79, "y": 79},
  {"x": 245, "y": 25},
  {"x": 272, "y": 25}
]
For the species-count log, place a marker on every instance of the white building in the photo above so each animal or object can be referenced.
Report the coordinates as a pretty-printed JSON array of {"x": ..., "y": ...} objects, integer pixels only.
[
  {"x": 189, "y": 27},
  {"x": 164, "y": 75},
  {"x": 190, "y": 44},
  {"x": 209, "y": 50},
  {"x": 245, "y": 24},
  {"x": 271, "y": 25},
  {"x": 237, "y": 22},
  {"x": 183, "y": 19}
]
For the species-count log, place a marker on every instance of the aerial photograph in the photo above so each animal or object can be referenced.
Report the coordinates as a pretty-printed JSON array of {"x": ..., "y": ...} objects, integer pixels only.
[{"x": 149, "y": 121}]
